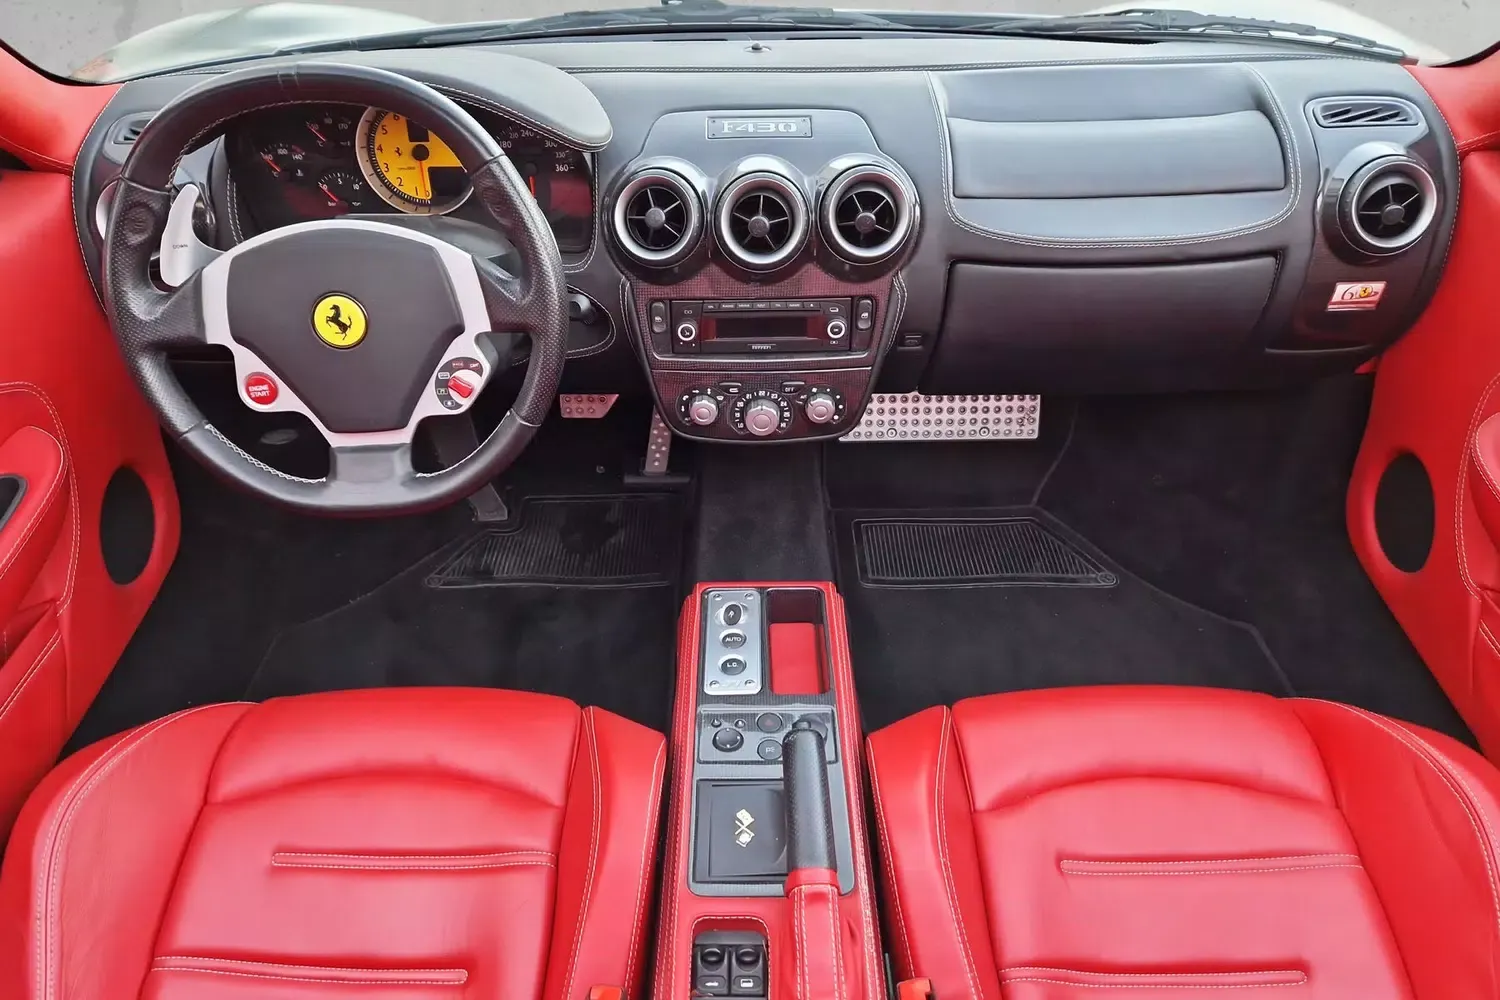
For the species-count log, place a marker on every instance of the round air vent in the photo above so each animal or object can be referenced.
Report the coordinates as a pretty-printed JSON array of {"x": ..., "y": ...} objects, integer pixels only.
[
  {"x": 866, "y": 215},
  {"x": 1387, "y": 206},
  {"x": 761, "y": 221},
  {"x": 657, "y": 218}
]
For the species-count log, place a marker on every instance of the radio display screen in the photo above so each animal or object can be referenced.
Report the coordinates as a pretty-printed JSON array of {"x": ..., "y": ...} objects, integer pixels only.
[{"x": 760, "y": 327}]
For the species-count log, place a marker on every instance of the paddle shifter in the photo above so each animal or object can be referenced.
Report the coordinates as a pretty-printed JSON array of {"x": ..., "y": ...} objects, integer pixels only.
[{"x": 812, "y": 883}]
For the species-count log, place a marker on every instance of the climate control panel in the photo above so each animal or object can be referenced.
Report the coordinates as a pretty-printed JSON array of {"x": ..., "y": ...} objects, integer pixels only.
[{"x": 763, "y": 412}]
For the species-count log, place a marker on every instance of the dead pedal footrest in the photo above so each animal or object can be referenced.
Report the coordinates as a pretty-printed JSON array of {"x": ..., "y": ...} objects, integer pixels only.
[{"x": 911, "y": 416}]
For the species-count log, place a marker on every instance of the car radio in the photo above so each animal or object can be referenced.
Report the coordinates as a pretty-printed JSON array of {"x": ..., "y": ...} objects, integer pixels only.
[{"x": 761, "y": 326}]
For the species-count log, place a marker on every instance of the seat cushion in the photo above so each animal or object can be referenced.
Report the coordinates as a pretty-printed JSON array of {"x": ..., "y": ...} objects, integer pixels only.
[
  {"x": 429, "y": 842},
  {"x": 1163, "y": 842}
]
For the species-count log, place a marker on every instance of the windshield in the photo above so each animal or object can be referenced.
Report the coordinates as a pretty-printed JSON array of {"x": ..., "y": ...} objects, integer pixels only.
[{"x": 114, "y": 39}]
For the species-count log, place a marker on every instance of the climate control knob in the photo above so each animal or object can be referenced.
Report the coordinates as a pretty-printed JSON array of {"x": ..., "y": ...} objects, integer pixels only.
[
  {"x": 821, "y": 407},
  {"x": 762, "y": 417},
  {"x": 703, "y": 410}
]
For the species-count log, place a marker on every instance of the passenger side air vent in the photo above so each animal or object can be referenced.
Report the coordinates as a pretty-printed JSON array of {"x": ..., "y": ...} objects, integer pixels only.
[
  {"x": 1387, "y": 206},
  {"x": 761, "y": 221},
  {"x": 128, "y": 130},
  {"x": 1364, "y": 113},
  {"x": 658, "y": 218},
  {"x": 866, "y": 214}
]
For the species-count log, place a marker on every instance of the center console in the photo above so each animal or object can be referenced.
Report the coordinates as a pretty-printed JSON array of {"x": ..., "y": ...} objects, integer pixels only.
[
  {"x": 767, "y": 886},
  {"x": 763, "y": 286}
]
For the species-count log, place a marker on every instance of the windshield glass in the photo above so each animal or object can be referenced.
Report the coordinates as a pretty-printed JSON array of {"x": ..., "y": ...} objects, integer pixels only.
[{"x": 115, "y": 39}]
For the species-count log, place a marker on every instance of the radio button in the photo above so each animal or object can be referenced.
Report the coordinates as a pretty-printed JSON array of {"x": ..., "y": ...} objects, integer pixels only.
[
  {"x": 836, "y": 329},
  {"x": 687, "y": 332}
]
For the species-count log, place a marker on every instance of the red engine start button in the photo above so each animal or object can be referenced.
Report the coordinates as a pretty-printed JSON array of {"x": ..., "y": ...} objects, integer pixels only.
[{"x": 261, "y": 388}]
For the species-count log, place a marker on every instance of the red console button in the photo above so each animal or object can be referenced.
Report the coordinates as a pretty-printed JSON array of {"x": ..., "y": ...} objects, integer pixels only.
[{"x": 261, "y": 388}]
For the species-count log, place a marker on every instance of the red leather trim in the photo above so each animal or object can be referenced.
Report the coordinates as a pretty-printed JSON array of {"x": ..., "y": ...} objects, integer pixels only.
[
  {"x": 65, "y": 379},
  {"x": 796, "y": 655},
  {"x": 44, "y": 122},
  {"x": 683, "y": 915},
  {"x": 1120, "y": 836},
  {"x": 811, "y": 876},
  {"x": 1484, "y": 475},
  {"x": 418, "y": 840},
  {"x": 1469, "y": 97},
  {"x": 817, "y": 972},
  {"x": 28, "y": 537}
]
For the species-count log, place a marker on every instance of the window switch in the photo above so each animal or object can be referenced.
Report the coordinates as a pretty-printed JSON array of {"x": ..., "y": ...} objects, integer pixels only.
[
  {"x": 712, "y": 985},
  {"x": 748, "y": 986}
]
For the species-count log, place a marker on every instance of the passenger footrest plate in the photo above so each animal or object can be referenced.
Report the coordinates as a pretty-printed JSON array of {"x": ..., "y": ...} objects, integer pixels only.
[{"x": 911, "y": 416}]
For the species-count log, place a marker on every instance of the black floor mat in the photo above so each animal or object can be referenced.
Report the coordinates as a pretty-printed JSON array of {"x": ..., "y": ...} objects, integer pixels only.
[
  {"x": 1005, "y": 550},
  {"x": 1222, "y": 515},
  {"x": 628, "y": 541},
  {"x": 914, "y": 647},
  {"x": 262, "y": 602}
]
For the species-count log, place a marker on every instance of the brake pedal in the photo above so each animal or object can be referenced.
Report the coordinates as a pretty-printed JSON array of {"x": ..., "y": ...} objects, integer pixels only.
[{"x": 911, "y": 416}]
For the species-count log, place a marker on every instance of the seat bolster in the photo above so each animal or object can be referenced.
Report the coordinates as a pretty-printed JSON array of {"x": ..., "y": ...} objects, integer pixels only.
[
  {"x": 82, "y": 897},
  {"x": 605, "y": 858},
  {"x": 1424, "y": 811},
  {"x": 931, "y": 868}
]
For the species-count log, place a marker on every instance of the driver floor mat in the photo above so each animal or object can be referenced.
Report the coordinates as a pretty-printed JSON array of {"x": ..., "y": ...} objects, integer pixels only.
[
  {"x": 972, "y": 552},
  {"x": 622, "y": 541}
]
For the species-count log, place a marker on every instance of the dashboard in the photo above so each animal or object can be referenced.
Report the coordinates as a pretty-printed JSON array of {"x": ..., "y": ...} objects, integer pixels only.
[
  {"x": 301, "y": 163},
  {"x": 762, "y": 237}
]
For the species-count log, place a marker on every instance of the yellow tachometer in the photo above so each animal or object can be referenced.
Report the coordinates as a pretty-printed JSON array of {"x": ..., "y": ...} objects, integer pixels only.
[{"x": 408, "y": 166}]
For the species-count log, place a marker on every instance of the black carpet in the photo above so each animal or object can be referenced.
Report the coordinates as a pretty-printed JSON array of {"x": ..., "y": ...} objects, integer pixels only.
[
  {"x": 1222, "y": 517},
  {"x": 262, "y": 602}
]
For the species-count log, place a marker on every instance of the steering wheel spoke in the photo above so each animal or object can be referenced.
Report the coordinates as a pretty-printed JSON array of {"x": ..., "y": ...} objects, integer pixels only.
[{"x": 357, "y": 467}]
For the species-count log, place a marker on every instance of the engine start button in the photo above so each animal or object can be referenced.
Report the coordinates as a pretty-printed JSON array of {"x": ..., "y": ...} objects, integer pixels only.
[{"x": 261, "y": 388}]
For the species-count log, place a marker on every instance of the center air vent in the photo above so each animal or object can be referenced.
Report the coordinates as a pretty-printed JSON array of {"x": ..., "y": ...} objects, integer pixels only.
[
  {"x": 761, "y": 221},
  {"x": 866, "y": 214},
  {"x": 1363, "y": 112},
  {"x": 1387, "y": 206},
  {"x": 657, "y": 218}
]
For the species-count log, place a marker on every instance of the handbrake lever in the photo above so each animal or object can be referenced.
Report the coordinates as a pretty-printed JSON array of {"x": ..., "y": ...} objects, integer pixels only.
[
  {"x": 809, "y": 813},
  {"x": 812, "y": 884}
]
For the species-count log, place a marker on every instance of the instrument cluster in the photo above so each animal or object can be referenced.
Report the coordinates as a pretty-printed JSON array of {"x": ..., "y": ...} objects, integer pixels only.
[{"x": 307, "y": 162}]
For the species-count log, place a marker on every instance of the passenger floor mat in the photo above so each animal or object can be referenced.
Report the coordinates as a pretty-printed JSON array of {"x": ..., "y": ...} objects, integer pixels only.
[{"x": 1017, "y": 550}]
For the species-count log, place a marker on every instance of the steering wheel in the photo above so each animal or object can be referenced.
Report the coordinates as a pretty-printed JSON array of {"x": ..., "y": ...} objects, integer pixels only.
[{"x": 314, "y": 315}]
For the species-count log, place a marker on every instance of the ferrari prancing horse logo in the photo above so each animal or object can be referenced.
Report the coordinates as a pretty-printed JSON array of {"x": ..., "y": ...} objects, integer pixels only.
[{"x": 338, "y": 321}]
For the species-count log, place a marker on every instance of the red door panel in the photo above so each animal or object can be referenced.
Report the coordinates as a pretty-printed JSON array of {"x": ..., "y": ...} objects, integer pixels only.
[
  {"x": 70, "y": 417},
  {"x": 1433, "y": 392}
]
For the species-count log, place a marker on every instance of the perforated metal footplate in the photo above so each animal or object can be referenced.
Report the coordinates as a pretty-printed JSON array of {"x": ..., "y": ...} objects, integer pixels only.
[
  {"x": 911, "y": 416},
  {"x": 958, "y": 552},
  {"x": 583, "y": 542}
]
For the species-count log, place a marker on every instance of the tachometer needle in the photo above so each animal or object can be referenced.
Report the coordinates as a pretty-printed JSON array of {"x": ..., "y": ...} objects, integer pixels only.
[{"x": 333, "y": 199}]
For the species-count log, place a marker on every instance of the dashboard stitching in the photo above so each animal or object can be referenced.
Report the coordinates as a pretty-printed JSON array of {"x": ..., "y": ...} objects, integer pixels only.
[
  {"x": 234, "y": 208},
  {"x": 488, "y": 104},
  {"x": 94, "y": 281},
  {"x": 588, "y": 258},
  {"x": 956, "y": 67},
  {"x": 1125, "y": 242}
]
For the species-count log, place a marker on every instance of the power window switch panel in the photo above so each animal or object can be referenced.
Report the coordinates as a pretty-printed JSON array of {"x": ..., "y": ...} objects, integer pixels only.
[
  {"x": 712, "y": 986},
  {"x": 748, "y": 986}
]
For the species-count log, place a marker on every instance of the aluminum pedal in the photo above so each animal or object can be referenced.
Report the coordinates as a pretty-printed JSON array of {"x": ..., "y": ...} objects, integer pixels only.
[
  {"x": 911, "y": 416},
  {"x": 585, "y": 406}
]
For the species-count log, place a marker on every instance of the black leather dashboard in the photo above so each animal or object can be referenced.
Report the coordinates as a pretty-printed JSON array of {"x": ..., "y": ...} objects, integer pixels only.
[{"x": 1094, "y": 217}]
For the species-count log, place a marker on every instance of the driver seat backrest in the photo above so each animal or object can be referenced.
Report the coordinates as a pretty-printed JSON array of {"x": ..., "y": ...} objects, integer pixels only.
[{"x": 427, "y": 842}]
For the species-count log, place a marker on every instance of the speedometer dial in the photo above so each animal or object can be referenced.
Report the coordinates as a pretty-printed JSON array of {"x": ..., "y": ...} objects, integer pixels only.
[{"x": 408, "y": 166}]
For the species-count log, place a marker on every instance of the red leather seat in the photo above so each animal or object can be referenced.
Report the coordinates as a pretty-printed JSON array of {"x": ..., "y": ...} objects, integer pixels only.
[
  {"x": 399, "y": 843},
  {"x": 1152, "y": 843}
]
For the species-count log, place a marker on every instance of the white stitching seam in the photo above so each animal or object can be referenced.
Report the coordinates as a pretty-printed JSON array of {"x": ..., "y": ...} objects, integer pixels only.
[
  {"x": 1285, "y": 132},
  {"x": 890, "y": 863},
  {"x": 74, "y": 509},
  {"x": 941, "y": 822},
  {"x": 1462, "y": 481},
  {"x": 653, "y": 801},
  {"x": 591, "y": 739},
  {"x": 48, "y": 938},
  {"x": 1453, "y": 779}
]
